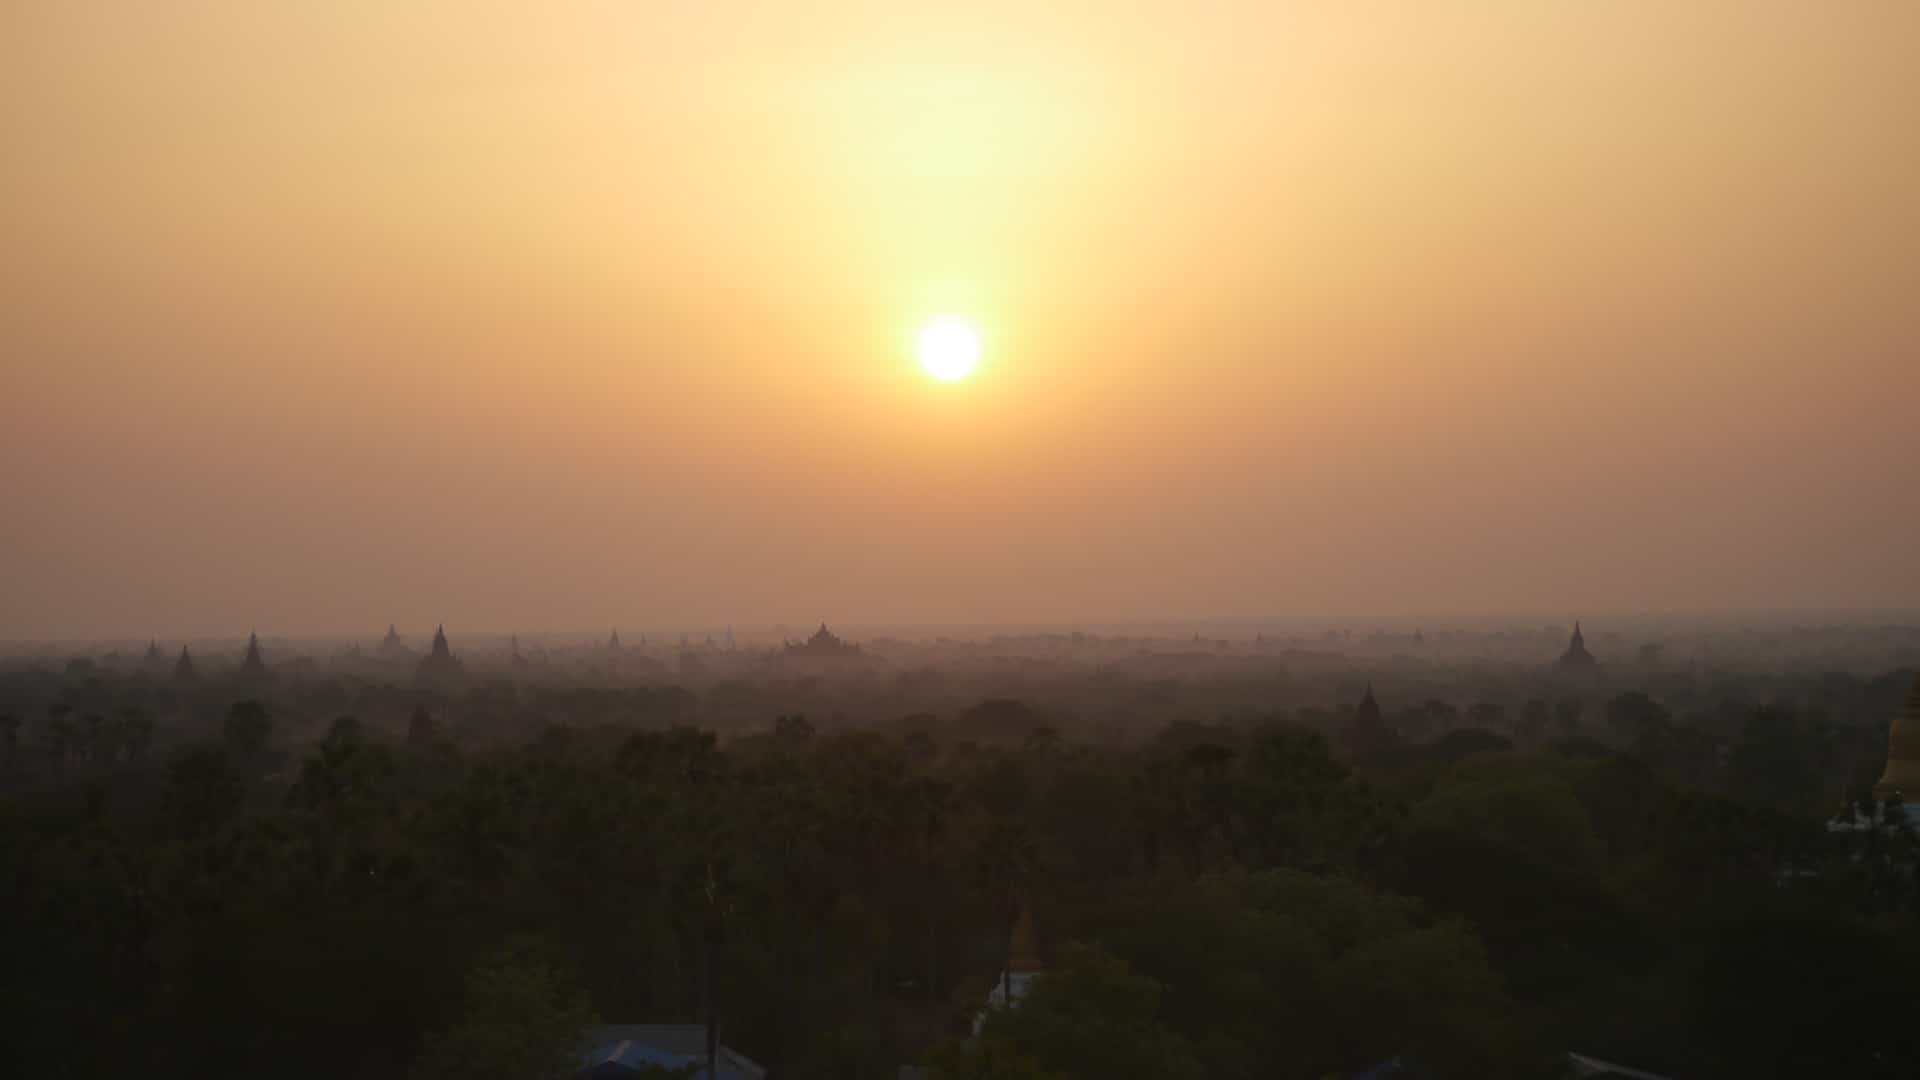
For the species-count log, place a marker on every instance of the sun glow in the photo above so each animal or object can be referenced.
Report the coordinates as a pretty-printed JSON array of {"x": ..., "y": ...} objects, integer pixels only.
[{"x": 949, "y": 349}]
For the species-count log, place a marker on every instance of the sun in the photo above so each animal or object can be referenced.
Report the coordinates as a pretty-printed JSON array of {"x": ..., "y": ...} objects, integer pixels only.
[{"x": 949, "y": 349}]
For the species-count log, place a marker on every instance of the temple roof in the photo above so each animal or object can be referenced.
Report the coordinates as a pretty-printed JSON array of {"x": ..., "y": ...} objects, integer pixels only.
[{"x": 824, "y": 642}]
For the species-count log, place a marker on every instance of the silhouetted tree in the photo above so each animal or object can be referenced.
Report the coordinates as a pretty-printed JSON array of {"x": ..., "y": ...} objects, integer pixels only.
[
  {"x": 523, "y": 1021},
  {"x": 9, "y": 738},
  {"x": 246, "y": 730},
  {"x": 422, "y": 732},
  {"x": 204, "y": 791}
]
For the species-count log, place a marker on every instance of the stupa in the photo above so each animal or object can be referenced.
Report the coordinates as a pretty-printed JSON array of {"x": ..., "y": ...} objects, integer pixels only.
[
  {"x": 1577, "y": 658},
  {"x": 392, "y": 648},
  {"x": 253, "y": 667},
  {"x": 440, "y": 666},
  {"x": 1023, "y": 966},
  {"x": 1901, "y": 779},
  {"x": 1367, "y": 731}
]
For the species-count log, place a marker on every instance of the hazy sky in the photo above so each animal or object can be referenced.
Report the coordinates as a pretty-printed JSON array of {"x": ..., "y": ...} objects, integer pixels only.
[{"x": 320, "y": 316}]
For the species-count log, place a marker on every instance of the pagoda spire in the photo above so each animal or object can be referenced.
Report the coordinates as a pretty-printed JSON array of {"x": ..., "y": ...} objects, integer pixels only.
[
  {"x": 440, "y": 666},
  {"x": 1577, "y": 657},
  {"x": 253, "y": 666}
]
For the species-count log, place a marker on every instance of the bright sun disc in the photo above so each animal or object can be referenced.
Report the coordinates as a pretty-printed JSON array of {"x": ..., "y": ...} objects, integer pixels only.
[{"x": 949, "y": 349}]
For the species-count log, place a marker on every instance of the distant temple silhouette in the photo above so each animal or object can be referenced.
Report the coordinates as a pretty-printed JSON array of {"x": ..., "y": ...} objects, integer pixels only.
[
  {"x": 392, "y": 648},
  {"x": 823, "y": 645},
  {"x": 1367, "y": 731},
  {"x": 253, "y": 667},
  {"x": 1577, "y": 658},
  {"x": 183, "y": 668},
  {"x": 613, "y": 643},
  {"x": 440, "y": 666}
]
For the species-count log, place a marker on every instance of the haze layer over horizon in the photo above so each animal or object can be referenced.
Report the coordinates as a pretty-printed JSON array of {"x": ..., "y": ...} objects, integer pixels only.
[{"x": 324, "y": 316}]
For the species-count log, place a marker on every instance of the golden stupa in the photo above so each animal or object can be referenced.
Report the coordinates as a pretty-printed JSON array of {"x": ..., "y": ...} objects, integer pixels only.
[{"x": 1902, "y": 777}]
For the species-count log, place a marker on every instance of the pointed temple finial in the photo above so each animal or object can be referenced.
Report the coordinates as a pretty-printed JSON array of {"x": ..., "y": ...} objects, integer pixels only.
[
  {"x": 1577, "y": 657},
  {"x": 253, "y": 666}
]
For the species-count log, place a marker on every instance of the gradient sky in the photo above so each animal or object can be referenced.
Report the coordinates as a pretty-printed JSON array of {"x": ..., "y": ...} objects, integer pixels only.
[{"x": 320, "y": 316}]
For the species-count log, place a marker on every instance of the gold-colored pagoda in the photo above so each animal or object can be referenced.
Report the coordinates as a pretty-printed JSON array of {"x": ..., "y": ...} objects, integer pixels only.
[{"x": 1902, "y": 777}]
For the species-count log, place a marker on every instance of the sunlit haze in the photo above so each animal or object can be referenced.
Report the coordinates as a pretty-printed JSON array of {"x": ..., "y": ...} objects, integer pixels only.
[{"x": 321, "y": 316}]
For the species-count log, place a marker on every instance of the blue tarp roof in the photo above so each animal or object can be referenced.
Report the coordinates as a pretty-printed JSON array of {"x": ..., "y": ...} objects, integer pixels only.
[{"x": 621, "y": 1051}]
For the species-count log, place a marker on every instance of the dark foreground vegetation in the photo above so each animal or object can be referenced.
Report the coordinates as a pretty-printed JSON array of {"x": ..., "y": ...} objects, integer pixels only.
[{"x": 1246, "y": 899}]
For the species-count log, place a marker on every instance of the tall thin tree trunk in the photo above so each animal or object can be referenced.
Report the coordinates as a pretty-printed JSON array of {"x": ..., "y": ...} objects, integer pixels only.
[{"x": 706, "y": 1004}]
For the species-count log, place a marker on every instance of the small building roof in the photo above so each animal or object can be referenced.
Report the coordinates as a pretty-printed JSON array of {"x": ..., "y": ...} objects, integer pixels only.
[{"x": 621, "y": 1050}]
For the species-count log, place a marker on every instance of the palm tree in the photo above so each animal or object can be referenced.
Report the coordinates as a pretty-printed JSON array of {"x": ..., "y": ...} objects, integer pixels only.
[
  {"x": 10, "y": 734},
  {"x": 1008, "y": 858},
  {"x": 59, "y": 733}
]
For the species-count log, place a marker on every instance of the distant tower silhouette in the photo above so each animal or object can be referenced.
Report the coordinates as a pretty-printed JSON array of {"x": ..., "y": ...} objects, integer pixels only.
[
  {"x": 441, "y": 666},
  {"x": 183, "y": 667},
  {"x": 1577, "y": 658},
  {"x": 1368, "y": 711},
  {"x": 253, "y": 667},
  {"x": 392, "y": 648},
  {"x": 613, "y": 642},
  {"x": 1367, "y": 731}
]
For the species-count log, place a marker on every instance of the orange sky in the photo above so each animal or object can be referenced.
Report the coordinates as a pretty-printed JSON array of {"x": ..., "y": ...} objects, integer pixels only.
[{"x": 319, "y": 316}]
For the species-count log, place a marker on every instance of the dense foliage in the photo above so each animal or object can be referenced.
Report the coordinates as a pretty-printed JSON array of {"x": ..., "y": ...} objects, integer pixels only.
[{"x": 1219, "y": 901}]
